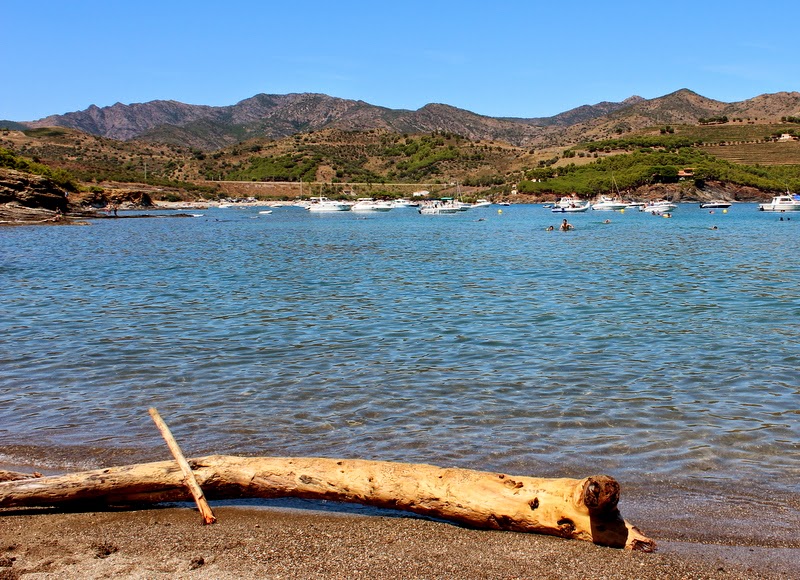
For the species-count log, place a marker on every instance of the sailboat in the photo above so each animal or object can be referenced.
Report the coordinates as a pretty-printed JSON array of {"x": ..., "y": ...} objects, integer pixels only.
[
  {"x": 608, "y": 203},
  {"x": 445, "y": 205}
]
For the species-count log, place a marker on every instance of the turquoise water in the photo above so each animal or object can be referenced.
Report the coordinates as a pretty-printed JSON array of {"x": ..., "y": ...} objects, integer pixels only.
[{"x": 652, "y": 349}]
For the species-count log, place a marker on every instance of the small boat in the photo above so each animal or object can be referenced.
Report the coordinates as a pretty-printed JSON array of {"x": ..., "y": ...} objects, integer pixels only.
[
  {"x": 402, "y": 203},
  {"x": 323, "y": 204},
  {"x": 570, "y": 205},
  {"x": 369, "y": 204},
  {"x": 265, "y": 212},
  {"x": 715, "y": 203},
  {"x": 482, "y": 203},
  {"x": 445, "y": 205},
  {"x": 659, "y": 206},
  {"x": 609, "y": 204},
  {"x": 784, "y": 202}
]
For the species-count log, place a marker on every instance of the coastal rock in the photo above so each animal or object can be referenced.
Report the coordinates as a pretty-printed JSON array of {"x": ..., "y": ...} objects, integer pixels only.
[
  {"x": 28, "y": 198},
  {"x": 119, "y": 197},
  {"x": 697, "y": 192},
  {"x": 730, "y": 191},
  {"x": 31, "y": 191}
]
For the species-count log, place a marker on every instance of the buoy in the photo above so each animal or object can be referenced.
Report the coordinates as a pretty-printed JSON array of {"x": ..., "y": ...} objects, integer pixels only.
[
  {"x": 499, "y": 211},
  {"x": 724, "y": 211},
  {"x": 622, "y": 210}
]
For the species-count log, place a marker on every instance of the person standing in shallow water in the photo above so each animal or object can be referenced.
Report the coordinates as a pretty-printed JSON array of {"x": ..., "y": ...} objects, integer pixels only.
[{"x": 565, "y": 226}]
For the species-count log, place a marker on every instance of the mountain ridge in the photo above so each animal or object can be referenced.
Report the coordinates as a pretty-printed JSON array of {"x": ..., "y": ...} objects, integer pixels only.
[{"x": 275, "y": 116}]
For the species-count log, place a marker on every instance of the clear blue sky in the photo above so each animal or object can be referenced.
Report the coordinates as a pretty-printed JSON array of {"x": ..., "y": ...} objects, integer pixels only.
[{"x": 501, "y": 58}]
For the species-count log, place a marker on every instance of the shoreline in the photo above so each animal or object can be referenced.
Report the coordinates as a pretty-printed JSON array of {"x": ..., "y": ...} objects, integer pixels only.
[
  {"x": 709, "y": 536},
  {"x": 252, "y": 542}
]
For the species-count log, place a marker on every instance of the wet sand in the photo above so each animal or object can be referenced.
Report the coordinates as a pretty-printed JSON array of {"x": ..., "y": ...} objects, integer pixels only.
[{"x": 281, "y": 542}]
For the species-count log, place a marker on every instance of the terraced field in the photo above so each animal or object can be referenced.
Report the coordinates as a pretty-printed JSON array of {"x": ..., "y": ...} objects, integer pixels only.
[{"x": 770, "y": 153}]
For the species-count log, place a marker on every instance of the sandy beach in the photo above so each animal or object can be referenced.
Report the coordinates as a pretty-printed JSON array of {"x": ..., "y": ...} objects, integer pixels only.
[{"x": 340, "y": 542}]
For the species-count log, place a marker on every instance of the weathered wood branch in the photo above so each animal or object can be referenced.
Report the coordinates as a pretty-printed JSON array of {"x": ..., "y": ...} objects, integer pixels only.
[
  {"x": 188, "y": 477},
  {"x": 583, "y": 509}
]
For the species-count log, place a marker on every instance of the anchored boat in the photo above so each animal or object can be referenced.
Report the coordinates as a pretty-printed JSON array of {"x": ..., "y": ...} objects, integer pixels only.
[{"x": 783, "y": 202}]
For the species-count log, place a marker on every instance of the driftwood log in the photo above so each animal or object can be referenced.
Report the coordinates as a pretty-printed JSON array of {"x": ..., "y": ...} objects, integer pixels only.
[{"x": 583, "y": 509}]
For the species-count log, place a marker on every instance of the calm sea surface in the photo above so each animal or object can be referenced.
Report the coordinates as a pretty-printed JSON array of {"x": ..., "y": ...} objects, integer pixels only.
[{"x": 652, "y": 349}]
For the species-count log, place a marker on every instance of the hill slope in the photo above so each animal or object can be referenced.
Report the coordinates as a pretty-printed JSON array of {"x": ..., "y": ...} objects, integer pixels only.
[{"x": 275, "y": 116}]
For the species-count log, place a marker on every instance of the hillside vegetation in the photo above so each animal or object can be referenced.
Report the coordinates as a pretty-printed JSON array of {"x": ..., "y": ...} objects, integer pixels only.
[
  {"x": 607, "y": 147},
  {"x": 365, "y": 157},
  {"x": 72, "y": 157},
  {"x": 625, "y": 172},
  {"x": 61, "y": 178}
]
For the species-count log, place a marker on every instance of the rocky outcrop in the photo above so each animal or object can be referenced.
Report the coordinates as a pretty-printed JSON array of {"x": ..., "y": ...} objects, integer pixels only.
[
  {"x": 33, "y": 191},
  {"x": 697, "y": 192},
  {"x": 119, "y": 197},
  {"x": 26, "y": 198}
]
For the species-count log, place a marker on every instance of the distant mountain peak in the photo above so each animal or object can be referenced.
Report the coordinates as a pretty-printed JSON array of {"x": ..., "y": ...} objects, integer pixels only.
[
  {"x": 633, "y": 99},
  {"x": 275, "y": 116}
]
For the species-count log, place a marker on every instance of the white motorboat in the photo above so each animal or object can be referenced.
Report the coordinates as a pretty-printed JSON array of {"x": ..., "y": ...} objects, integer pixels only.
[
  {"x": 446, "y": 205},
  {"x": 609, "y": 204},
  {"x": 658, "y": 206},
  {"x": 369, "y": 204},
  {"x": 481, "y": 203},
  {"x": 323, "y": 204},
  {"x": 401, "y": 203},
  {"x": 715, "y": 203},
  {"x": 783, "y": 202},
  {"x": 570, "y": 205}
]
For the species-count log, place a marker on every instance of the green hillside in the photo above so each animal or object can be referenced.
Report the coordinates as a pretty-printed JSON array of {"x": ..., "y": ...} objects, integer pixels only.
[
  {"x": 64, "y": 179},
  {"x": 364, "y": 157},
  {"x": 647, "y": 160},
  {"x": 741, "y": 154}
]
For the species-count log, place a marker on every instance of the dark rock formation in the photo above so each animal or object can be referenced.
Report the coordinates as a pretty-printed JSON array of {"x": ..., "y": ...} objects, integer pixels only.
[
  {"x": 28, "y": 198},
  {"x": 110, "y": 197},
  {"x": 33, "y": 191}
]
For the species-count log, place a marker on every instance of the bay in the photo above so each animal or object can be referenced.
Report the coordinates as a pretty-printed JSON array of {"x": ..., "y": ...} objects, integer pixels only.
[{"x": 655, "y": 350}]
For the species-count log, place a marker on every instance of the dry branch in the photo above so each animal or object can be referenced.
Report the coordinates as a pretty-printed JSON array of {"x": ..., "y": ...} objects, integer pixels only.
[
  {"x": 188, "y": 476},
  {"x": 583, "y": 509}
]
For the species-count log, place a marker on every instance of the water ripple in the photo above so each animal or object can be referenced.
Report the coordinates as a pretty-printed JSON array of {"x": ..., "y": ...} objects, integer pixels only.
[{"x": 645, "y": 348}]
